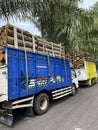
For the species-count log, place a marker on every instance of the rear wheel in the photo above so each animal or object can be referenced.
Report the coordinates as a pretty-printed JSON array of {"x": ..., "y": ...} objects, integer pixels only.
[
  {"x": 41, "y": 104},
  {"x": 74, "y": 91},
  {"x": 90, "y": 83}
]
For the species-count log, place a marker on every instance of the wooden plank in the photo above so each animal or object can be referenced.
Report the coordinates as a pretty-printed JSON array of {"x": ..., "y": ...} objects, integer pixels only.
[
  {"x": 52, "y": 49},
  {"x": 26, "y": 38},
  {"x": 15, "y": 38},
  {"x": 60, "y": 51},
  {"x": 10, "y": 32},
  {"x": 43, "y": 47},
  {"x": 33, "y": 41},
  {"x": 48, "y": 50},
  {"x": 10, "y": 40}
]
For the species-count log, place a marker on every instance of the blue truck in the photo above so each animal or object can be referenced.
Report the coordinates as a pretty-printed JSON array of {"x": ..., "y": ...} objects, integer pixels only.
[{"x": 31, "y": 80}]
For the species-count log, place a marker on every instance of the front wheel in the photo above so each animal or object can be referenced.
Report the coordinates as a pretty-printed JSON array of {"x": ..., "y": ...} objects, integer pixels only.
[
  {"x": 74, "y": 91},
  {"x": 41, "y": 104}
]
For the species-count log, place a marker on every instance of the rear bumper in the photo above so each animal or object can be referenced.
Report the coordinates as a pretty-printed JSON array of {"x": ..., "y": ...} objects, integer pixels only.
[
  {"x": 88, "y": 81},
  {"x": 6, "y": 117}
]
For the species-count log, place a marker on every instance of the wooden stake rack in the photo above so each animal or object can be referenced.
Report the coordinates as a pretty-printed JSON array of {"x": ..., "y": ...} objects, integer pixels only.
[{"x": 18, "y": 38}]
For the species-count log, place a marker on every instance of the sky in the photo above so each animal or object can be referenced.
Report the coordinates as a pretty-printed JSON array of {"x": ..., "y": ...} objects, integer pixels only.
[
  {"x": 28, "y": 26},
  {"x": 86, "y": 4}
]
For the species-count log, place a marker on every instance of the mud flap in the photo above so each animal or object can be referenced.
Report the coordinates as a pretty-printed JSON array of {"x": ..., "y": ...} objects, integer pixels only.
[{"x": 6, "y": 119}]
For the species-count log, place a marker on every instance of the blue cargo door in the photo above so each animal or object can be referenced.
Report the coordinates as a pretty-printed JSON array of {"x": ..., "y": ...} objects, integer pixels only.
[
  {"x": 13, "y": 88},
  {"x": 32, "y": 74}
]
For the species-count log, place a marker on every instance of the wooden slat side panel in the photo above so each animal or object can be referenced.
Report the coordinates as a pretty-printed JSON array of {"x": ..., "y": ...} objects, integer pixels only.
[{"x": 16, "y": 37}]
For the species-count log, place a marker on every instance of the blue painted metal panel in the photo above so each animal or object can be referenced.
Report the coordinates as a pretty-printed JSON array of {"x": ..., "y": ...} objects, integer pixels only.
[
  {"x": 13, "y": 74},
  {"x": 44, "y": 73}
]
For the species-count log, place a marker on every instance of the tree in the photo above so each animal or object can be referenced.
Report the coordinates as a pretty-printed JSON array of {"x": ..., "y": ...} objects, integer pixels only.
[
  {"x": 47, "y": 14},
  {"x": 13, "y": 8},
  {"x": 60, "y": 16},
  {"x": 20, "y": 8},
  {"x": 64, "y": 24},
  {"x": 59, "y": 21}
]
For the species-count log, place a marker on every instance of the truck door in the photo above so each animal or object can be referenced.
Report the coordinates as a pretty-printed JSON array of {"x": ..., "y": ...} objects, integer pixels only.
[
  {"x": 3, "y": 78},
  {"x": 74, "y": 77},
  {"x": 3, "y": 83}
]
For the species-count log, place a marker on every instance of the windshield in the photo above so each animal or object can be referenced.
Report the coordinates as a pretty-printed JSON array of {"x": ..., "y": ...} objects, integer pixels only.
[{"x": 73, "y": 73}]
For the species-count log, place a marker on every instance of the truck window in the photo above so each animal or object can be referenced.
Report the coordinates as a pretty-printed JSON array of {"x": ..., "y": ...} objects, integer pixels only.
[
  {"x": 2, "y": 59},
  {"x": 73, "y": 73}
]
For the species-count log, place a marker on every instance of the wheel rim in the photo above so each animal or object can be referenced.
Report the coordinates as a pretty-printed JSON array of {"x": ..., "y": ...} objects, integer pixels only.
[{"x": 43, "y": 103}]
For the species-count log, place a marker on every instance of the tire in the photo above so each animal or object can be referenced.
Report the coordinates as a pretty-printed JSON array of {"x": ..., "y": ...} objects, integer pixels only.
[
  {"x": 41, "y": 104},
  {"x": 74, "y": 91}
]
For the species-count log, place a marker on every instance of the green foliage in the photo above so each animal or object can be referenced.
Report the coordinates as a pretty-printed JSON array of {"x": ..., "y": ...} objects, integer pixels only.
[
  {"x": 64, "y": 23},
  {"x": 13, "y": 8},
  {"x": 60, "y": 21},
  {"x": 91, "y": 36}
]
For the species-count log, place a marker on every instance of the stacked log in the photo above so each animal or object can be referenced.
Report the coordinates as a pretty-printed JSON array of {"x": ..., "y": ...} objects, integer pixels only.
[
  {"x": 18, "y": 38},
  {"x": 78, "y": 58}
]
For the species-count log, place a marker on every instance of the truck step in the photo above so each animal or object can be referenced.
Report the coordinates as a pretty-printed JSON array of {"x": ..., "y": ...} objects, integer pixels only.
[{"x": 61, "y": 92}]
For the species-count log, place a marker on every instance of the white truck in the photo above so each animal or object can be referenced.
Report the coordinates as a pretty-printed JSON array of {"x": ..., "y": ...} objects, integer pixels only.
[{"x": 88, "y": 74}]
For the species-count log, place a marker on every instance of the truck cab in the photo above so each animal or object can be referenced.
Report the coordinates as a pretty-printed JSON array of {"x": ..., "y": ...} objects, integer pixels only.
[
  {"x": 3, "y": 78},
  {"x": 74, "y": 76}
]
